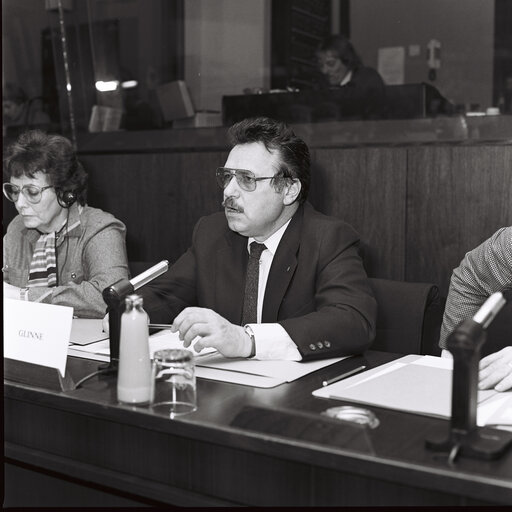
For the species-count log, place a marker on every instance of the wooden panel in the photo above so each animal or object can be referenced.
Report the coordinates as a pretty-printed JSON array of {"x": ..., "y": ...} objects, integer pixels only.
[
  {"x": 159, "y": 197},
  {"x": 366, "y": 188},
  {"x": 457, "y": 197}
]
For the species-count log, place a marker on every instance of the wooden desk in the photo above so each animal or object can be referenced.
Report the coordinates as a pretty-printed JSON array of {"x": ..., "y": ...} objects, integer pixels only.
[{"x": 87, "y": 445}]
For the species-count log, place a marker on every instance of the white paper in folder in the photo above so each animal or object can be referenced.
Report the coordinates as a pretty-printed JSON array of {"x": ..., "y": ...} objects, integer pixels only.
[
  {"x": 211, "y": 365},
  {"x": 418, "y": 384}
]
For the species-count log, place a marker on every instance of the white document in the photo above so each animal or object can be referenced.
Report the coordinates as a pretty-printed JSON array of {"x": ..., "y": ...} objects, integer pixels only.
[
  {"x": 212, "y": 365},
  {"x": 37, "y": 333},
  {"x": 87, "y": 330},
  {"x": 100, "y": 350},
  {"x": 285, "y": 371},
  {"x": 167, "y": 339},
  {"x": 418, "y": 384}
]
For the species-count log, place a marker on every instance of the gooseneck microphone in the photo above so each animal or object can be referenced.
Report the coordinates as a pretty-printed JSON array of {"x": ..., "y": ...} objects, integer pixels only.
[
  {"x": 491, "y": 307},
  {"x": 149, "y": 274},
  {"x": 464, "y": 343},
  {"x": 114, "y": 296}
]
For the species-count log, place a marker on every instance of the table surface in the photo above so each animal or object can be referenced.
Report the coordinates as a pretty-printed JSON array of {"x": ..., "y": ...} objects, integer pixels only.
[{"x": 235, "y": 422}]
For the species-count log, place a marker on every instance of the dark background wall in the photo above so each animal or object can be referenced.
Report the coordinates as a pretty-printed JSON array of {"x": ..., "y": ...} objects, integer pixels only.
[{"x": 418, "y": 209}]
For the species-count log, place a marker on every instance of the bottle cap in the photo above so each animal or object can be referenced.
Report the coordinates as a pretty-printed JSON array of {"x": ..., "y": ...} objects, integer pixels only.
[{"x": 133, "y": 300}]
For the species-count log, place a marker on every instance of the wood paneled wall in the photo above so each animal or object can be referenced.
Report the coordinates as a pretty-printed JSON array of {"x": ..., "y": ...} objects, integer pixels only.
[{"x": 418, "y": 209}]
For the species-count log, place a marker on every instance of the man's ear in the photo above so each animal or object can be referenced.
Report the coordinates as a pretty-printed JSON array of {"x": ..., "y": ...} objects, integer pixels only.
[{"x": 291, "y": 191}]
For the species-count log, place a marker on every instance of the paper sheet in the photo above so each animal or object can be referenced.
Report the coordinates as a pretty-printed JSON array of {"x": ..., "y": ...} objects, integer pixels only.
[
  {"x": 211, "y": 365},
  {"x": 286, "y": 370},
  {"x": 87, "y": 330},
  {"x": 418, "y": 384}
]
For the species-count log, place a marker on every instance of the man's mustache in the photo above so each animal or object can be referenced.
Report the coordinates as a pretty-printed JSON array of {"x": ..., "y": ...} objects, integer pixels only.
[{"x": 229, "y": 202}]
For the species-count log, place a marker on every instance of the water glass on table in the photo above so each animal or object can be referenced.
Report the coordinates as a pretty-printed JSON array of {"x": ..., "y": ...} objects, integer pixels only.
[{"x": 173, "y": 382}]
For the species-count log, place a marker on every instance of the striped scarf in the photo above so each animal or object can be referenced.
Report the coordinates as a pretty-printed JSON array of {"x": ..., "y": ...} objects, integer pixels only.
[{"x": 43, "y": 267}]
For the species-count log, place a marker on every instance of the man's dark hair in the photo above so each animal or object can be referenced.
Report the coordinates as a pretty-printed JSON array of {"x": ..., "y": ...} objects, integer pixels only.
[
  {"x": 340, "y": 45},
  {"x": 277, "y": 136},
  {"x": 36, "y": 151}
]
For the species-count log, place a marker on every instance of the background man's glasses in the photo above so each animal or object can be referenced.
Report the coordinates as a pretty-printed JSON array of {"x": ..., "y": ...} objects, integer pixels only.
[
  {"x": 31, "y": 192},
  {"x": 245, "y": 179}
]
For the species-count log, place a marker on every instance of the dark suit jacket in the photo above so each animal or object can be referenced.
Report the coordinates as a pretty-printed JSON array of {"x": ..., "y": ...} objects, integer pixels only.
[
  {"x": 363, "y": 97},
  {"x": 317, "y": 288}
]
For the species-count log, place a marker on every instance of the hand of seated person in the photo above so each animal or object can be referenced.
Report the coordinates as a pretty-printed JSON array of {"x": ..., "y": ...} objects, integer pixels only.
[
  {"x": 11, "y": 292},
  {"x": 496, "y": 370},
  {"x": 213, "y": 331}
]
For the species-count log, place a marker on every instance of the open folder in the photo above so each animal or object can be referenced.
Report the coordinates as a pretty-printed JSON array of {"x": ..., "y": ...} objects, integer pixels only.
[
  {"x": 212, "y": 365},
  {"x": 418, "y": 384}
]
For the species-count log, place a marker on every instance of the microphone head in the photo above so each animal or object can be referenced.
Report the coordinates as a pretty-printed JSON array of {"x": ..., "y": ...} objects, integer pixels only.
[{"x": 490, "y": 308}]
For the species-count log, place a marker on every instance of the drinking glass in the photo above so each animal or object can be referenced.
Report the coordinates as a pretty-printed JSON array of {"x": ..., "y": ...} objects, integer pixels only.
[{"x": 173, "y": 382}]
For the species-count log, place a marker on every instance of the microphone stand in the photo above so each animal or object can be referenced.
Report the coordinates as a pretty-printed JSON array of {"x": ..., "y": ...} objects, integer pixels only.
[
  {"x": 464, "y": 436},
  {"x": 114, "y": 296}
]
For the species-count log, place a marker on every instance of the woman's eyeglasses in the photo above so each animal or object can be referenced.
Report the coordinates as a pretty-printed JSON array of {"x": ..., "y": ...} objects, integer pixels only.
[
  {"x": 245, "y": 179},
  {"x": 32, "y": 193}
]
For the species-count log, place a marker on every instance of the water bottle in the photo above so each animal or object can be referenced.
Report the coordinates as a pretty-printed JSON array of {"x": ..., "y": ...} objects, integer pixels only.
[{"x": 134, "y": 373}]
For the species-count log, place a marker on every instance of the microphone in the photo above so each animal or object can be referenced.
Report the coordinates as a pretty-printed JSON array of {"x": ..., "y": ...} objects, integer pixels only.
[
  {"x": 465, "y": 343},
  {"x": 114, "y": 296},
  {"x": 149, "y": 274},
  {"x": 490, "y": 308}
]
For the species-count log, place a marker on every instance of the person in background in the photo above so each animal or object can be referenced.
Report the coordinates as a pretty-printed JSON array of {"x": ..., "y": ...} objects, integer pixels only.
[
  {"x": 18, "y": 110},
  {"x": 483, "y": 271},
  {"x": 341, "y": 67},
  {"x": 57, "y": 250},
  {"x": 313, "y": 296}
]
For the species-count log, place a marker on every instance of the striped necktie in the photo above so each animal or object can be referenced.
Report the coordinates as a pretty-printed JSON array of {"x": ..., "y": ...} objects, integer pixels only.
[{"x": 250, "y": 309}]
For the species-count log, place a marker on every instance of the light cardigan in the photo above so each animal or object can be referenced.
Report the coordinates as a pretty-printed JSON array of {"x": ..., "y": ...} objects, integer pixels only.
[{"x": 90, "y": 257}]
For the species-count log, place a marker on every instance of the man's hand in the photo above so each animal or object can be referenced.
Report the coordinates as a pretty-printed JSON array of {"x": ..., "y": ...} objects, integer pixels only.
[
  {"x": 496, "y": 370},
  {"x": 213, "y": 331},
  {"x": 11, "y": 292}
]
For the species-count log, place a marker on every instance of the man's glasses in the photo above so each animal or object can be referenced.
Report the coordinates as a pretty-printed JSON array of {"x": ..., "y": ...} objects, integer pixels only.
[
  {"x": 31, "y": 192},
  {"x": 245, "y": 179}
]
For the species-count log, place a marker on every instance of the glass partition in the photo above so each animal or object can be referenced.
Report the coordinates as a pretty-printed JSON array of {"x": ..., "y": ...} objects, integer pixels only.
[{"x": 88, "y": 66}]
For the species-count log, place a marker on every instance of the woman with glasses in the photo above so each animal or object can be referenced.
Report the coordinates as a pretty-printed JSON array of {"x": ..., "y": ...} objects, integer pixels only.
[{"x": 57, "y": 249}]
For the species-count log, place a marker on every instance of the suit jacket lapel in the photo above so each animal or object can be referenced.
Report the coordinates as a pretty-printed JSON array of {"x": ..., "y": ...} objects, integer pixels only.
[
  {"x": 283, "y": 268},
  {"x": 230, "y": 267}
]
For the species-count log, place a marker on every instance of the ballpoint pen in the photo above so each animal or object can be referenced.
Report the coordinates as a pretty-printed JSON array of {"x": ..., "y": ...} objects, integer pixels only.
[
  {"x": 160, "y": 326},
  {"x": 343, "y": 376}
]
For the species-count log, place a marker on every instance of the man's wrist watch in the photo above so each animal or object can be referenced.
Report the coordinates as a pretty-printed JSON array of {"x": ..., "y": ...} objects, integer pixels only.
[{"x": 250, "y": 333}]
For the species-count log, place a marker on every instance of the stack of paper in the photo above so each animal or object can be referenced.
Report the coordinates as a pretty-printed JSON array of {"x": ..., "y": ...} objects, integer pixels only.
[{"x": 209, "y": 363}]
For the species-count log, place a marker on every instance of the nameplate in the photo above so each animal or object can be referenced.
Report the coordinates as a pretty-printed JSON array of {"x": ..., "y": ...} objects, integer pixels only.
[{"x": 37, "y": 333}]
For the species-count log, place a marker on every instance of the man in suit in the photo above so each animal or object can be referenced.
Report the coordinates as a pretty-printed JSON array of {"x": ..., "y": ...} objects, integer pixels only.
[{"x": 313, "y": 297}]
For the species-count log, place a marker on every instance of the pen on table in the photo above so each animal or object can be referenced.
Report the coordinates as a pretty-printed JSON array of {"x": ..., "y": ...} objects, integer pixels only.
[
  {"x": 160, "y": 326},
  {"x": 343, "y": 376}
]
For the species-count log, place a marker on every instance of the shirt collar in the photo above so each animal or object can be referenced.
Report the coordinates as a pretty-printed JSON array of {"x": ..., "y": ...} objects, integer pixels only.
[
  {"x": 272, "y": 242},
  {"x": 346, "y": 78}
]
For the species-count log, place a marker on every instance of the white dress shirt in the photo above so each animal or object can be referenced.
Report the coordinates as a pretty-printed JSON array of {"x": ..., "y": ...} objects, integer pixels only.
[
  {"x": 346, "y": 79},
  {"x": 271, "y": 340}
]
